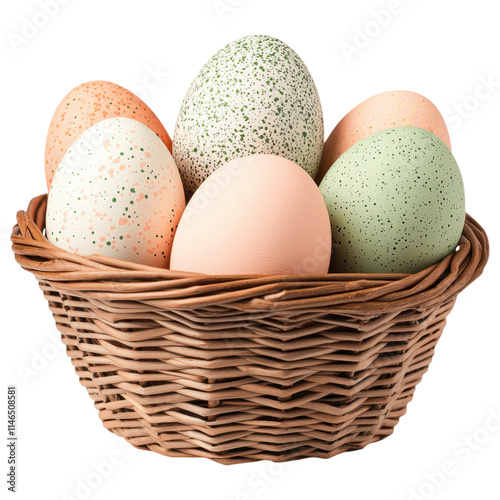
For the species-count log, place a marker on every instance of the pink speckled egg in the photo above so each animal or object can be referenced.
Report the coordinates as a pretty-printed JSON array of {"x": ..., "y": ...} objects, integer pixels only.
[
  {"x": 86, "y": 105},
  {"x": 261, "y": 214},
  {"x": 398, "y": 108},
  {"x": 117, "y": 192}
]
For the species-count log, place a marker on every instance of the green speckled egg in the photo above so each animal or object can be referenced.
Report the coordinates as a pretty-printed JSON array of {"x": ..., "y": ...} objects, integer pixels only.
[
  {"x": 396, "y": 203},
  {"x": 253, "y": 96}
]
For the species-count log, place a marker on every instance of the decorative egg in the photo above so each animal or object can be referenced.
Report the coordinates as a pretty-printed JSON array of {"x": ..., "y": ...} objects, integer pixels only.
[
  {"x": 253, "y": 96},
  {"x": 396, "y": 203},
  {"x": 398, "y": 108},
  {"x": 86, "y": 105},
  {"x": 261, "y": 214},
  {"x": 117, "y": 192}
]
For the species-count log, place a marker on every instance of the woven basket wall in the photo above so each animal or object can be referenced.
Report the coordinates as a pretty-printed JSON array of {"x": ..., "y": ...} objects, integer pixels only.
[{"x": 238, "y": 368}]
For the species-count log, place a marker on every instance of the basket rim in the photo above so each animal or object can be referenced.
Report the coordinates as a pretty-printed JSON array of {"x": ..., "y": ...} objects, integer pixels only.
[{"x": 109, "y": 278}]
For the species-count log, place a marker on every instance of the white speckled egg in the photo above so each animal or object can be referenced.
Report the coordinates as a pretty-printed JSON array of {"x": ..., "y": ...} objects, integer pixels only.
[
  {"x": 253, "y": 96},
  {"x": 117, "y": 192},
  {"x": 396, "y": 203}
]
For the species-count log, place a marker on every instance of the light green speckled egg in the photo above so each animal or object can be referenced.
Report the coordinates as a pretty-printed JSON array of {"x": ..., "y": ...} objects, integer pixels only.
[
  {"x": 253, "y": 96},
  {"x": 396, "y": 203}
]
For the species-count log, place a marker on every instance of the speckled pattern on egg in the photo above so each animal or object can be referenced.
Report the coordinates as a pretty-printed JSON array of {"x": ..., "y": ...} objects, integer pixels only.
[
  {"x": 86, "y": 105},
  {"x": 253, "y": 96},
  {"x": 117, "y": 192},
  {"x": 396, "y": 203}
]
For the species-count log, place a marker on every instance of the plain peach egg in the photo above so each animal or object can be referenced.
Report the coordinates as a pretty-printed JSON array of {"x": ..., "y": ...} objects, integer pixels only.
[
  {"x": 260, "y": 214},
  {"x": 86, "y": 105},
  {"x": 398, "y": 108}
]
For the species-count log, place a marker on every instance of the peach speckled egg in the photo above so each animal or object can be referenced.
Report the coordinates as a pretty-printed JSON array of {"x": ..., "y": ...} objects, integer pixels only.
[
  {"x": 260, "y": 214},
  {"x": 86, "y": 105},
  {"x": 117, "y": 192},
  {"x": 398, "y": 108}
]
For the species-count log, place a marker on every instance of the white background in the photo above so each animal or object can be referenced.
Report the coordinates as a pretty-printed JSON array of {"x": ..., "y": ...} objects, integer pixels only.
[{"x": 445, "y": 50}]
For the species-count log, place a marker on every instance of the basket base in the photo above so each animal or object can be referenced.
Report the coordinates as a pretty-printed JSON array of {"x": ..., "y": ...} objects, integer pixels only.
[{"x": 314, "y": 416}]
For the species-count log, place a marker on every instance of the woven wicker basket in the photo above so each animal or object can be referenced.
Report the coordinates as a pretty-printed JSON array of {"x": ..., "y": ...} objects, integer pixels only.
[{"x": 237, "y": 368}]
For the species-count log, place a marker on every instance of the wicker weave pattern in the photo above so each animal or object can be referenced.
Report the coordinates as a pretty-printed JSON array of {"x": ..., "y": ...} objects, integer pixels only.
[{"x": 238, "y": 368}]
